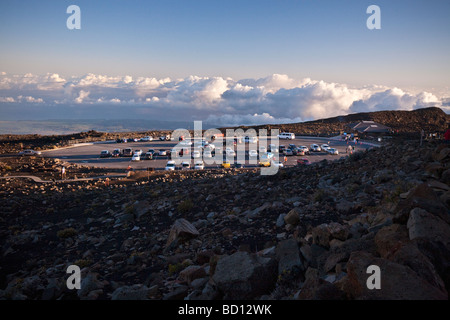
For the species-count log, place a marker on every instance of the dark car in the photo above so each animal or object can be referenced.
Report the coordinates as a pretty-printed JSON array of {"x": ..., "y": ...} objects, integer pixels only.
[
  {"x": 105, "y": 154},
  {"x": 116, "y": 153},
  {"x": 128, "y": 152},
  {"x": 303, "y": 162}
]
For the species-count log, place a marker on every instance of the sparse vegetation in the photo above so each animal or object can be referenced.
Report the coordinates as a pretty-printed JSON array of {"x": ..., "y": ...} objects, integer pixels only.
[{"x": 66, "y": 233}]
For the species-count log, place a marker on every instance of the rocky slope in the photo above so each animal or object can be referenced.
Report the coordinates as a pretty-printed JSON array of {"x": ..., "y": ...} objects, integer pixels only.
[
  {"x": 430, "y": 120},
  {"x": 304, "y": 233}
]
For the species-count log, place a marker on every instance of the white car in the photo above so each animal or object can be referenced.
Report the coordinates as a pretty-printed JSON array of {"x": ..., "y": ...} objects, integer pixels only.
[
  {"x": 253, "y": 154},
  {"x": 162, "y": 152},
  {"x": 315, "y": 148},
  {"x": 170, "y": 166},
  {"x": 196, "y": 154},
  {"x": 138, "y": 152},
  {"x": 304, "y": 148},
  {"x": 230, "y": 152},
  {"x": 185, "y": 165},
  {"x": 207, "y": 154},
  {"x": 29, "y": 153},
  {"x": 250, "y": 139},
  {"x": 136, "y": 157},
  {"x": 333, "y": 151},
  {"x": 199, "y": 165},
  {"x": 273, "y": 148},
  {"x": 144, "y": 139},
  {"x": 325, "y": 147},
  {"x": 185, "y": 143},
  {"x": 286, "y": 135},
  {"x": 278, "y": 164}
]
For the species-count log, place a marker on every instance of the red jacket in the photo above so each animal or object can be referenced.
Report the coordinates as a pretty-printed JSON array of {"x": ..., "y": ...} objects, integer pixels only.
[{"x": 447, "y": 135}]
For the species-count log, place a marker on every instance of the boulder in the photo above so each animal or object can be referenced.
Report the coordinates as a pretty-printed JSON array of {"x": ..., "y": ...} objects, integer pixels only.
[
  {"x": 410, "y": 255},
  {"x": 398, "y": 282},
  {"x": 135, "y": 292},
  {"x": 181, "y": 230},
  {"x": 421, "y": 197},
  {"x": 288, "y": 257},
  {"x": 244, "y": 276},
  {"x": 316, "y": 288},
  {"x": 292, "y": 217},
  {"x": 422, "y": 224},
  {"x": 191, "y": 273},
  {"x": 389, "y": 239}
]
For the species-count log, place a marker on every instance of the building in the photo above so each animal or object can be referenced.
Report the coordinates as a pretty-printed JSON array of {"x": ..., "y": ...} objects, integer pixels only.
[{"x": 370, "y": 127}]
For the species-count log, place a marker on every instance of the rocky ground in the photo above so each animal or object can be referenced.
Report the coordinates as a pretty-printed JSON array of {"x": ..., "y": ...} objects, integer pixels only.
[
  {"x": 304, "y": 233},
  {"x": 49, "y": 168}
]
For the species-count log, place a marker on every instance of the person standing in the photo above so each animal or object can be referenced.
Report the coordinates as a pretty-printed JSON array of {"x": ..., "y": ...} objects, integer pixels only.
[{"x": 63, "y": 173}]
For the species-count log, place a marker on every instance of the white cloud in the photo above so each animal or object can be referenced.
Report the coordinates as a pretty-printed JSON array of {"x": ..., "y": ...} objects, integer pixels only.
[
  {"x": 273, "y": 99},
  {"x": 7, "y": 99},
  {"x": 82, "y": 96}
]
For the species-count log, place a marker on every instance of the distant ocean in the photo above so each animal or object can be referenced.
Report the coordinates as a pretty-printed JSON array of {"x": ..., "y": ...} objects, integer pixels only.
[{"x": 55, "y": 127}]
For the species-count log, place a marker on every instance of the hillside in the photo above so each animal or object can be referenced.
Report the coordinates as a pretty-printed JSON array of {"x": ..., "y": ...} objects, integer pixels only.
[
  {"x": 405, "y": 122},
  {"x": 304, "y": 233}
]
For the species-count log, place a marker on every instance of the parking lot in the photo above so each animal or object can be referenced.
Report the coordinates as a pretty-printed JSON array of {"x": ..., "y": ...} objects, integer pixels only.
[{"x": 89, "y": 155}]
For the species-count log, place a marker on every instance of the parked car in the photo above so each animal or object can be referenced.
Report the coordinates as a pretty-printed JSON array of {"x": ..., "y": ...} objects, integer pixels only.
[
  {"x": 278, "y": 164},
  {"x": 136, "y": 157},
  {"x": 303, "y": 162},
  {"x": 315, "y": 148},
  {"x": 162, "y": 152},
  {"x": 185, "y": 143},
  {"x": 29, "y": 152},
  {"x": 226, "y": 164},
  {"x": 281, "y": 148},
  {"x": 148, "y": 156},
  {"x": 196, "y": 154},
  {"x": 292, "y": 146},
  {"x": 253, "y": 154},
  {"x": 105, "y": 154},
  {"x": 139, "y": 152},
  {"x": 333, "y": 151},
  {"x": 324, "y": 147},
  {"x": 127, "y": 152},
  {"x": 272, "y": 148},
  {"x": 116, "y": 153},
  {"x": 145, "y": 139},
  {"x": 207, "y": 154},
  {"x": 199, "y": 165},
  {"x": 170, "y": 166},
  {"x": 286, "y": 135},
  {"x": 305, "y": 149},
  {"x": 185, "y": 165},
  {"x": 298, "y": 152},
  {"x": 288, "y": 152},
  {"x": 251, "y": 139}
]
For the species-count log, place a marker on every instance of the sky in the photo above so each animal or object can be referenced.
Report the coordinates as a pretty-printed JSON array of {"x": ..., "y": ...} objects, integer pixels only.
[{"x": 227, "y": 61}]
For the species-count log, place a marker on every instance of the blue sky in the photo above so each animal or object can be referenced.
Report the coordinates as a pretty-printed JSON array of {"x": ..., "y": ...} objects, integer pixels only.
[{"x": 318, "y": 39}]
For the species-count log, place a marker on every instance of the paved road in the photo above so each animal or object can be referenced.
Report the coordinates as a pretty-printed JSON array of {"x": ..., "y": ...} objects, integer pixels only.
[
  {"x": 39, "y": 180},
  {"x": 90, "y": 154}
]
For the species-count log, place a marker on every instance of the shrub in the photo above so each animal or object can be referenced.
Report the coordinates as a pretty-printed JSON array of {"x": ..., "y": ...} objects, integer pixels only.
[
  {"x": 185, "y": 206},
  {"x": 66, "y": 233}
]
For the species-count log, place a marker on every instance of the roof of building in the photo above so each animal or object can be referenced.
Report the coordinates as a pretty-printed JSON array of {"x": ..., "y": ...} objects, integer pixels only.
[{"x": 369, "y": 126}]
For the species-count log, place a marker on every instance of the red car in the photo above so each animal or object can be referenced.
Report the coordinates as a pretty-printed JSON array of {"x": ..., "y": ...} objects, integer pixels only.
[{"x": 303, "y": 162}]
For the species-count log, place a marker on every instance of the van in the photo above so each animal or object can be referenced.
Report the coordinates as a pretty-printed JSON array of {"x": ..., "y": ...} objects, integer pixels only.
[
  {"x": 286, "y": 135},
  {"x": 128, "y": 152}
]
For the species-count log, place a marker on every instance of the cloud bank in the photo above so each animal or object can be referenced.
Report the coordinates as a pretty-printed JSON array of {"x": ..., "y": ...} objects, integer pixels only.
[{"x": 223, "y": 101}]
